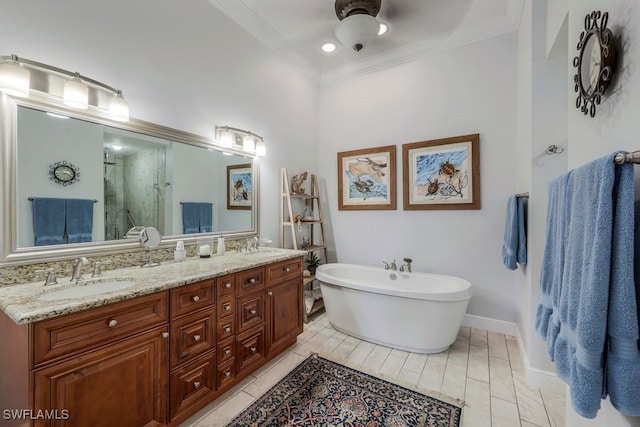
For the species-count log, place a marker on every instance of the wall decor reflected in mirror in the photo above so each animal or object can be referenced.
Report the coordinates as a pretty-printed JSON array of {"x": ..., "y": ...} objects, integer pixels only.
[{"x": 135, "y": 175}]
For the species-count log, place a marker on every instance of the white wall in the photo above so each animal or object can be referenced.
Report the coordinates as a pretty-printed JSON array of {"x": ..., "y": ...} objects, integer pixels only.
[
  {"x": 615, "y": 126},
  {"x": 189, "y": 74},
  {"x": 471, "y": 89}
]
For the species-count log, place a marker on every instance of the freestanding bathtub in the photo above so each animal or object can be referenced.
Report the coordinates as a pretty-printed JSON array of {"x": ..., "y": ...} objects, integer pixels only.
[{"x": 417, "y": 312}]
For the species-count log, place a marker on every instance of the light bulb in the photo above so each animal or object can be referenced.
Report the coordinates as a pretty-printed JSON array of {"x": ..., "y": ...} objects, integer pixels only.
[
  {"x": 76, "y": 94},
  {"x": 249, "y": 144},
  {"x": 14, "y": 79},
  {"x": 119, "y": 108}
]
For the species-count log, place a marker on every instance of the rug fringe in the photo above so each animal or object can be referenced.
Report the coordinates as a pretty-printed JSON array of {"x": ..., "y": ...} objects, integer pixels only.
[{"x": 432, "y": 393}]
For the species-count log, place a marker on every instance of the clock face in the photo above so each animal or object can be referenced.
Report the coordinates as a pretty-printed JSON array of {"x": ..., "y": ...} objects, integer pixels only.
[
  {"x": 592, "y": 64},
  {"x": 64, "y": 173}
]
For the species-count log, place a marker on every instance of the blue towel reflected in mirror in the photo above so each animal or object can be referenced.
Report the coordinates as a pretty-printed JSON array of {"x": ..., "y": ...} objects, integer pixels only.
[{"x": 48, "y": 221}]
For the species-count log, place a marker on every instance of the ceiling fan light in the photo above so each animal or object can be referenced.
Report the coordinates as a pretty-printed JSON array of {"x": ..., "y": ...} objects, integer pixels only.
[
  {"x": 357, "y": 31},
  {"x": 76, "y": 94},
  {"x": 329, "y": 47},
  {"x": 14, "y": 79}
]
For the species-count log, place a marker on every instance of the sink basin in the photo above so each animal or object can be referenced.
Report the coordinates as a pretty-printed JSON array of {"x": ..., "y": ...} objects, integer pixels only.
[
  {"x": 265, "y": 253},
  {"x": 88, "y": 289}
]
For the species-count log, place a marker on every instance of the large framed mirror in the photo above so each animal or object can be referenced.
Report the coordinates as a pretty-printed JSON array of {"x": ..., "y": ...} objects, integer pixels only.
[{"x": 79, "y": 183}]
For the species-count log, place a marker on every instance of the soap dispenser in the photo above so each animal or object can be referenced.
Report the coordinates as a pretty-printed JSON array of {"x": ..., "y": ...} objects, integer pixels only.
[
  {"x": 220, "y": 245},
  {"x": 180, "y": 254}
]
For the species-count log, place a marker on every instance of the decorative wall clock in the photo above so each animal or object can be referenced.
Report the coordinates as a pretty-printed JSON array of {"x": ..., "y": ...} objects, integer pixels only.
[
  {"x": 64, "y": 173},
  {"x": 595, "y": 63}
]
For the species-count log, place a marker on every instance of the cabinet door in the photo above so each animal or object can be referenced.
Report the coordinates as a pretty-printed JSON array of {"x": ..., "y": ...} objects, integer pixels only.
[
  {"x": 284, "y": 313},
  {"x": 122, "y": 384}
]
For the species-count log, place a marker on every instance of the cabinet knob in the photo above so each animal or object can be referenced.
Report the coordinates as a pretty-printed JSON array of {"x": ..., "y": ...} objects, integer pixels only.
[
  {"x": 227, "y": 307},
  {"x": 195, "y": 298},
  {"x": 196, "y": 338},
  {"x": 253, "y": 312},
  {"x": 227, "y": 285},
  {"x": 252, "y": 280},
  {"x": 165, "y": 335},
  {"x": 227, "y": 374},
  {"x": 287, "y": 269},
  {"x": 196, "y": 384},
  {"x": 113, "y": 323},
  {"x": 270, "y": 293},
  {"x": 227, "y": 329},
  {"x": 253, "y": 349},
  {"x": 227, "y": 351}
]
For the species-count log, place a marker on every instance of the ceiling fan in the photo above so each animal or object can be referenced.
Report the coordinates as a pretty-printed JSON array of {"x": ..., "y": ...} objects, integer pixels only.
[{"x": 358, "y": 24}]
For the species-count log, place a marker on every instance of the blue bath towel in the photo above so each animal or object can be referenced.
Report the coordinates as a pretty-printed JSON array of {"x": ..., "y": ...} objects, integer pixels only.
[
  {"x": 206, "y": 217},
  {"x": 578, "y": 264},
  {"x": 190, "y": 217},
  {"x": 514, "y": 247},
  {"x": 48, "y": 221},
  {"x": 623, "y": 358},
  {"x": 79, "y": 220}
]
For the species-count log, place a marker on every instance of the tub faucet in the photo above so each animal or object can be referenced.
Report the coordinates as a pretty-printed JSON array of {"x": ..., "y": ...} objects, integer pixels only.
[
  {"x": 76, "y": 275},
  {"x": 408, "y": 262},
  {"x": 392, "y": 266}
]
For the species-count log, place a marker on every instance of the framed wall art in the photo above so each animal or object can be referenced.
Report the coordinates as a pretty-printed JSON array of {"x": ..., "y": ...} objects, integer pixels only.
[
  {"x": 239, "y": 186},
  {"x": 442, "y": 173},
  {"x": 367, "y": 179}
]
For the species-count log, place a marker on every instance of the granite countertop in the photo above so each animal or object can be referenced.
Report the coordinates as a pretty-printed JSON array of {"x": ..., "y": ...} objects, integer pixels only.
[{"x": 22, "y": 304}]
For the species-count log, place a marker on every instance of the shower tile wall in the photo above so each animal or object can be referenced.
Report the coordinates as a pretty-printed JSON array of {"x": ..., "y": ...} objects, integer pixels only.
[
  {"x": 115, "y": 221},
  {"x": 144, "y": 178}
]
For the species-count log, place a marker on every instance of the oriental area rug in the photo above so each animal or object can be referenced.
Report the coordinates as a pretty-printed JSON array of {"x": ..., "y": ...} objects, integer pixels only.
[{"x": 320, "y": 392}]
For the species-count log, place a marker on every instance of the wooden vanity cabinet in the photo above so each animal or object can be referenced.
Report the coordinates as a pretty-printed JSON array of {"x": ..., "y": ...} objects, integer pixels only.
[
  {"x": 105, "y": 366},
  {"x": 152, "y": 360},
  {"x": 284, "y": 304}
]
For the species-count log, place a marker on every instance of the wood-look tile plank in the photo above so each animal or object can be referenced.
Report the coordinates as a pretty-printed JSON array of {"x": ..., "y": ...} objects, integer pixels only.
[
  {"x": 503, "y": 413},
  {"x": 501, "y": 380},
  {"x": 497, "y": 345}
]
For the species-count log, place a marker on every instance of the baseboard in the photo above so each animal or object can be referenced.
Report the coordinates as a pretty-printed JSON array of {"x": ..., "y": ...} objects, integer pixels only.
[
  {"x": 492, "y": 325},
  {"x": 535, "y": 377}
]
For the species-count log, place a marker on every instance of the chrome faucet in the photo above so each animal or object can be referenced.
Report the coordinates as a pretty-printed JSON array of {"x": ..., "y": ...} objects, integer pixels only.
[
  {"x": 76, "y": 275},
  {"x": 97, "y": 271},
  {"x": 51, "y": 276},
  {"x": 408, "y": 262},
  {"x": 252, "y": 243},
  {"x": 392, "y": 266}
]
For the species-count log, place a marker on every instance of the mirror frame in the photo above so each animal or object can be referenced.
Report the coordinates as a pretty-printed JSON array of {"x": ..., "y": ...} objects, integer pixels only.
[{"x": 11, "y": 254}]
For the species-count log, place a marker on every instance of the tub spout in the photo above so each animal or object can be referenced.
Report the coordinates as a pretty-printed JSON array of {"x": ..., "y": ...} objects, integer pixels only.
[
  {"x": 407, "y": 265},
  {"x": 391, "y": 266}
]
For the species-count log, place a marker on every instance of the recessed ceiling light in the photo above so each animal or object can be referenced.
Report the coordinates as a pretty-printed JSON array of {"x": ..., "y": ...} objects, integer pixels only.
[
  {"x": 328, "y": 47},
  {"x": 383, "y": 28},
  {"x": 116, "y": 147}
]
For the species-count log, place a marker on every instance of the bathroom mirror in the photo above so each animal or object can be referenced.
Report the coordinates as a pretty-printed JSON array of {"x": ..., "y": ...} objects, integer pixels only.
[{"x": 136, "y": 174}]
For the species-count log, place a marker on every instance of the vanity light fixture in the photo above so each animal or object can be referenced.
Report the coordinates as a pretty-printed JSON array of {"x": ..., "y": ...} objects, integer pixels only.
[
  {"x": 245, "y": 140},
  {"x": 15, "y": 80},
  {"x": 76, "y": 93}
]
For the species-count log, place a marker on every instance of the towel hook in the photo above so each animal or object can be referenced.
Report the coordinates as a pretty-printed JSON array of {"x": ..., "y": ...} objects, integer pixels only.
[{"x": 554, "y": 149}]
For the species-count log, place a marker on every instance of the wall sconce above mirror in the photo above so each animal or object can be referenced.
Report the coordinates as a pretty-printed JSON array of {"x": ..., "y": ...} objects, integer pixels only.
[
  {"x": 15, "y": 80},
  {"x": 244, "y": 140}
]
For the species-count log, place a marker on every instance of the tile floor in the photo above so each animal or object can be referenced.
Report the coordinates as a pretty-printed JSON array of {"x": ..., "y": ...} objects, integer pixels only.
[{"x": 482, "y": 368}]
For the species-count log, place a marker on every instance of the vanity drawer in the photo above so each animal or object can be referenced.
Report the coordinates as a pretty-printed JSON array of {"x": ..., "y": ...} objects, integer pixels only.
[
  {"x": 189, "y": 298},
  {"x": 226, "y": 286},
  {"x": 282, "y": 271},
  {"x": 94, "y": 327},
  {"x": 225, "y": 328},
  {"x": 226, "y": 373},
  {"x": 250, "y": 348},
  {"x": 250, "y": 281},
  {"x": 226, "y": 350},
  {"x": 192, "y": 383},
  {"x": 225, "y": 307},
  {"x": 192, "y": 336},
  {"x": 250, "y": 311}
]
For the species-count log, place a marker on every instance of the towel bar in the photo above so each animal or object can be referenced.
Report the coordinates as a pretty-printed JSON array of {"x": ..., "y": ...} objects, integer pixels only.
[
  {"x": 627, "y": 158},
  {"x": 522, "y": 195},
  {"x": 31, "y": 199}
]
